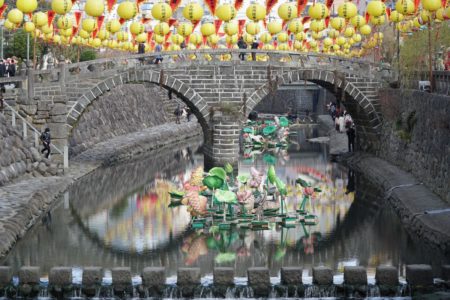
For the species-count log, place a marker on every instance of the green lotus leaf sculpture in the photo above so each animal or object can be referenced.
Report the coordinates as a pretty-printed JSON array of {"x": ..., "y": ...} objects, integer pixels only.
[
  {"x": 225, "y": 257},
  {"x": 226, "y": 197},
  {"x": 281, "y": 187},
  {"x": 213, "y": 182},
  {"x": 268, "y": 130},
  {"x": 176, "y": 194},
  {"x": 243, "y": 178},
  {"x": 284, "y": 122},
  {"x": 219, "y": 172},
  {"x": 271, "y": 175},
  {"x": 228, "y": 168}
]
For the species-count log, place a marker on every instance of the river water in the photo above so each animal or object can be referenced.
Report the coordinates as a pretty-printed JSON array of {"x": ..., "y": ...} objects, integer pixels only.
[{"x": 119, "y": 216}]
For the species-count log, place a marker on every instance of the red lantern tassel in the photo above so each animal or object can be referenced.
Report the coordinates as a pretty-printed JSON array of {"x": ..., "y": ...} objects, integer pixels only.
[
  {"x": 305, "y": 20},
  {"x": 388, "y": 12},
  {"x": 94, "y": 33},
  {"x": 416, "y": 4},
  {"x": 2, "y": 10},
  {"x": 217, "y": 24},
  {"x": 167, "y": 36},
  {"x": 73, "y": 2},
  {"x": 110, "y": 4},
  {"x": 138, "y": 4},
  {"x": 367, "y": 17},
  {"x": 211, "y": 5},
  {"x": 174, "y": 4},
  {"x": 241, "y": 24},
  {"x": 121, "y": 21},
  {"x": 238, "y": 4},
  {"x": 329, "y": 3},
  {"x": 172, "y": 22},
  {"x": 270, "y": 4},
  {"x": 301, "y": 4},
  {"x": 77, "y": 15},
  {"x": 100, "y": 20},
  {"x": 149, "y": 36},
  {"x": 327, "y": 21},
  {"x": 145, "y": 20},
  {"x": 50, "y": 16}
]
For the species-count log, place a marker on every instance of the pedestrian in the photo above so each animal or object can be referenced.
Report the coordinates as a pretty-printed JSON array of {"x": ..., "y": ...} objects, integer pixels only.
[
  {"x": 351, "y": 138},
  {"x": 12, "y": 68},
  {"x": 2, "y": 91},
  {"x": 347, "y": 119},
  {"x": 158, "y": 57},
  {"x": 341, "y": 123},
  {"x": 46, "y": 139},
  {"x": 188, "y": 114},
  {"x": 241, "y": 45},
  {"x": 255, "y": 46},
  {"x": 336, "y": 123},
  {"x": 177, "y": 114},
  {"x": 2, "y": 68},
  {"x": 169, "y": 94},
  {"x": 333, "y": 110}
]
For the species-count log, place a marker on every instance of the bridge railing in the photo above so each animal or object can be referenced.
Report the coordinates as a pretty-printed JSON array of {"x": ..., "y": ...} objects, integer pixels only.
[{"x": 109, "y": 66}]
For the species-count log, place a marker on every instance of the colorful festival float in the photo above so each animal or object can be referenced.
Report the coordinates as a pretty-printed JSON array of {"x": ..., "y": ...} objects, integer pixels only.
[{"x": 266, "y": 134}]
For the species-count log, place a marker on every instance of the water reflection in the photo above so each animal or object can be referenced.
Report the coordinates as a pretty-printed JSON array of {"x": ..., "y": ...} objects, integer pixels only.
[{"x": 119, "y": 216}]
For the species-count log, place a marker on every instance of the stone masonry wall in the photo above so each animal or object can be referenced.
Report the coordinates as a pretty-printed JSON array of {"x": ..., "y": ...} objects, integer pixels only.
[
  {"x": 283, "y": 100},
  {"x": 126, "y": 108},
  {"x": 423, "y": 147}
]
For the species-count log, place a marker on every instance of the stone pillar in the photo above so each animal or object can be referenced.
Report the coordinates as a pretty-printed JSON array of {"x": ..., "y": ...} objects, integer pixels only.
[
  {"x": 259, "y": 281},
  {"x": 188, "y": 279},
  {"x": 153, "y": 282},
  {"x": 121, "y": 280},
  {"x": 29, "y": 278},
  {"x": 91, "y": 281},
  {"x": 60, "y": 282},
  {"x": 224, "y": 145}
]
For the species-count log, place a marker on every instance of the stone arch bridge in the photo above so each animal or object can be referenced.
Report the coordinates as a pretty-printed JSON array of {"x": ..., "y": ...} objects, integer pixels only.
[{"x": 217, "y": 86}]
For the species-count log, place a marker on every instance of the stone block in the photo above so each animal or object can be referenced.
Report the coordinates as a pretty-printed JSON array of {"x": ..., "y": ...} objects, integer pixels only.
[
  {"x": 60, "y": 276},
  {"x": 29, "y": 275},
  {"x": 259, "y": 281},
  {"x": 419, "y": 275},
  {"x": 223, "y": 276},
  {"x": 291, "y": 275},
  {"x": 121, "y": 276},
  {"x": 188, "y": 276},
  {"x": 322, "y": 276},
  {"x": 386, "y": 275},
  {"x": 154, "y": 276},
  {"x": 5, "y": 275},
  {"x": 92, "y": 276},
  {"x": 58, "y": 130},
  {"x": 355, "y": 275},
  {"x": 58, "y": 109},
  {"x": 446, "y": 272}
]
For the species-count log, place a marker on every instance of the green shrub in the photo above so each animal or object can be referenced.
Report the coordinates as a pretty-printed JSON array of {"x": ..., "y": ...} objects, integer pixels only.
[{"x": 88, "y": 55}]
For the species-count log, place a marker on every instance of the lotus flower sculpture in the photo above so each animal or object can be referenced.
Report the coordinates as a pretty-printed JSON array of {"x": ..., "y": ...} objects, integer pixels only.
[{"x": 308, "y": 192}]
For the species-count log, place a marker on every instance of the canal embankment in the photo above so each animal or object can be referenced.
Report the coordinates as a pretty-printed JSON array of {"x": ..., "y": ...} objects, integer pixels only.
[{"x": 23, "y": 202}]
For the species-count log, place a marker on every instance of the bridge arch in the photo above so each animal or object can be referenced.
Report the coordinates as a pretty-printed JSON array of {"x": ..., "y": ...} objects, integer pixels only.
[
  {"x": 189, "y": 96},
  {"x": 364, "y": 112}
]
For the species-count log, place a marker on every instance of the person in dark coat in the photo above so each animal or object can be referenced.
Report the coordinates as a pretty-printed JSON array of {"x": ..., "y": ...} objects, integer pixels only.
[
  {"x": 351, "y": 133},
  {"x": 242, "y": 45},
  {"x": 46, "y": 139},
  {"x": 2, "y": 68},
  {"x": 12, "y": 68},
  {"x": 255, "y": 46}
]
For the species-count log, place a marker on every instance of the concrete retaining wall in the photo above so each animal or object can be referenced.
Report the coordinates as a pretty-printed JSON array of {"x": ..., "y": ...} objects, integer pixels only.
[
  {"x": 424, "y": 148},
  {"x": 153, "y": 283}
]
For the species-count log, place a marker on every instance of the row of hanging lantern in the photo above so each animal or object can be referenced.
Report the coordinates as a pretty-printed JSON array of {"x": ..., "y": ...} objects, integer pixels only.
[{"x": 348, "y": 33}]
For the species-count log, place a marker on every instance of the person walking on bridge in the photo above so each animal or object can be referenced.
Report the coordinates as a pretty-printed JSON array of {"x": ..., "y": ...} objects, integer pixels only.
[
  {"x": 46, "y": 139},
  {"x": 242, "y": 45}
]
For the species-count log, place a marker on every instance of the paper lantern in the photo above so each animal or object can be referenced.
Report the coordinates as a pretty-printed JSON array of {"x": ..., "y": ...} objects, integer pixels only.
[
  {"x": 15, "y": 16},
  {"x": 317, "y": 25},
  {"x": 358, "y": 21},
  {"x": 231, "y": 39},
  {"x": 295, "y": 26},
  {"x": 268, "y": 47},
  {"x": 61, "y": 7},
  {"x": 94, "y": 8},
  {"x": 365, "y": 29},
  {"x": 64, "y": 22},
  {"x": 297, "y": 45},
  {"x": 213, "y": 39},
  {"x": 113, "y": 26},
  {"x": 447, "y": 12},
  {"x": 122, "y": 36},
  {"x": 349, "y": 32},
  {"x": 275, "y": 26},
  {"x": 66, "y": 32},
  {"x": 405, "y": 7},
  {"x": 318, "y": 11},
  {"x": 177, "y": 38},
  {"x": 248, "y": 38},
  {"x": 47, "y": 29},
  {"x": 26, "y": 6},
  {"x": 327, "y": 42},
  {"x": 226, "y": 12},
  {"x": 88, "y": 24},
  {"x": 333, "y": 33},
  {"x": 377, "y": 20},
  {"x": 161, "y": 28},
  {"x": 141, "y": 38},
  {"x": 39, "y": 19},
  {"x": 137, "y": 28},
  {"x": 252, "y": 28},
  {"x": 287, "y": 11},
  {"x": 56, "y": 39},
  {"x": 159, "y": 39},
  {"x": 316, "y": 35},
  {"x": 425, "y": 16},
  {"x": 195, "y": 38},
  {"x": 337, "y": 23},
  {"x": 313, "y": 44},
  {"x": 357, "y": 38},
  {"x": 230, "y": 28},
  {"x": 207, "y": 29},
  {"x": 161, "y": 11},
  {"x": 376, "y": 8},
  {"x": 127, "y": 10},
  {"x": 184, "y": 29},
  {"x": 347, "y": 10},
  {"x": 193, "y": 12},
  {"x": 440, "y": 14},
  {"x": 396, "y": 17},
  {"x": 300, "y": 36},
  {"x": 96, "y": 42},
  {"x": 282, "y": 37},
  {"x": 431, "y": 5},
  {"x": 84, "y": 34},
  {"x": 256, "y": 12},
  {"x": 2, "y": 2},
  {"x": 266, "y": 37},
  {"x": 378, "y": 35},
  {"x": 283, "y": 47},
  {"x": 341, "y": 40},
  {"x": 29, "y": 27}
]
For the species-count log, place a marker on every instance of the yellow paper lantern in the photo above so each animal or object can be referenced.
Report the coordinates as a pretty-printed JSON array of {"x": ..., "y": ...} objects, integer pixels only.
[
  {"x": 440, "y": 14},
  {"x": 318, "y": 11},
  {"x": 213, "y": 39},
  {"x": 295, "y": 26},
  {"x": 207, "y": 29},
  {"x": 29, "y": 27},
  {"x": 377, "y": 20},
  {"x": 341, "y": 40},
  {"x": 96, "y": 42},
  {"x": 283, "y": 47},
  {"x": 64, "y": 22},
  {"x": 287, "y": 11},
  {"x": 268, "y": 47},
  {"x": 105, "y": 43},
  {"x": 357, "y": 38},
  {"x": 347, "y": 10},
  {"x": 94, "y": 8},
  {"x": 66, "y": 32},
  {"x": 327, "y": 42},
  {"x": 162, "y": 28},
  {"x": 231, "y": 39},
  {"x": 184, "y": 29},
  {"x": 358, "y": 21},
  {"x": 313, "y": 44},
  {"x": 159, "y": 39},
  {"x": 300, "y": 36},
  {"x": 226, "y": 12},
  {"x": 275, "y": 26},
  {"x": 431, "y": 5},
  {"x": 161, "y": 11},
  {"x": 47, "y": 29},
  {"x": 39, "y": 19},
  {"x": 349, "y": 32},
  {"x": 2, "y": 2},
  {"x": 122, "y": 36},
  {"x": 405, "y": 7},
  {"x": 193, "y": 12},
  {"x": 266, "y": 37},
  {"x": 128, "y": 10},
  {"x": 396, "y": 17},
  {"x": 84, "y": 34},
  {"x": 177, "y": 38},
  {"x": 378, "y": 35},
  {"x": 195, "y": 38},
  {"x": 282, "y": 37},
  {"x": 113, "y": 26},
  {"x": 417, "y": 23},
  {"x": 256, "y": 12},
  {"x": 248, "y": 38},
  {"x": 26, "y": 6},
  {"x": 297, "y": 45},
  {"x": 317, "y": 25},
  {"x": 141, "y": 38},
  {"x": 447, "y": 12},
  {"x": 333, "y": 33},
  {"x": 337, "y": 23},
  {"x": 231, "y": 28},
  {"x": 61, "y": 7},
  {"x": 252, "y": 28},
  {"x": 15, "y": 16},
  {"x": 88, "y": 24},
  {"x": 56, "y": 39},
  {"x": 316, "y": 35},
  {"x": 365, "y": 29},
  {"x": 376, "y": 8},
  {"x": 425, "y": 16},
  {"x": 137, "y": 28}
]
